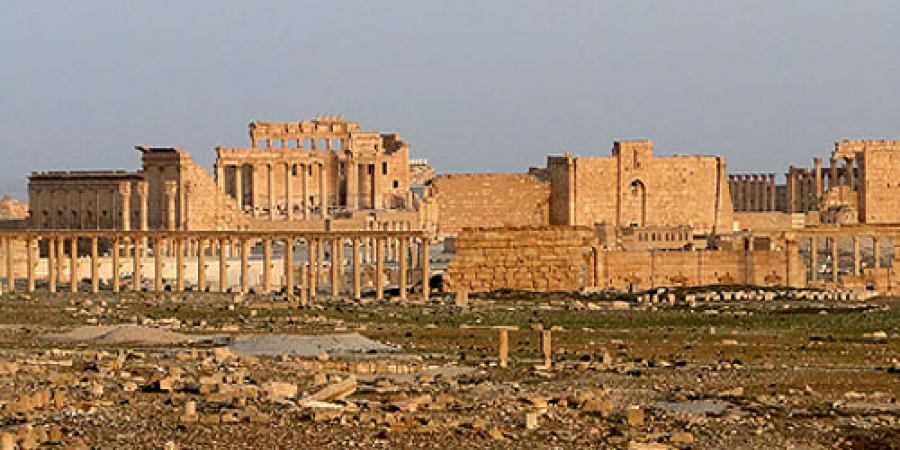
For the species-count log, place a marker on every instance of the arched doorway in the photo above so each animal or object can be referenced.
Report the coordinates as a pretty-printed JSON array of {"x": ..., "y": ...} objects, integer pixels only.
[{"x": 637, "y": 204}]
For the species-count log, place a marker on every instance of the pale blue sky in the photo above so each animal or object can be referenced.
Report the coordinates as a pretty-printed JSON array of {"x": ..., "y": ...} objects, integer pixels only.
[{"x": 474, "y": 86}]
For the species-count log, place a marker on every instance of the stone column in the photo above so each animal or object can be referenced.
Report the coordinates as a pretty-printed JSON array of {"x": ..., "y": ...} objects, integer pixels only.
[
  {"x": 817, "y": 167},
  {"x": 813, "y": 258},
  {"x": 834, "y": 260},
  {"x": 772, "y": 192},
  {"x": 95, "y": 266},
  {"x": 136, "y": 272},
  {"x": 60, "y": 257},
  {"x": 171, "y": 190},
  {"x": 289, "y": 194},
  {"x": 10, "y": 265},
  {"x": 125, "y": 200},
  {"x": 503, "y": 350},
  {"x": 143, "y": 190},
  {"x": 51, "y": 264},
  {"x": 29, "y": 270},
  {"x": 245, "y": 277},
  {"x": 876, "y": 254},
  {"x": 305, "y": 203},
  {"x": 254, "y": 189},
  {"x": 547, "y": 348},
  {"x": 179, "y": 264},
  {"x": 377, "y": 176},
  {"x": 833, "y": 173},
  {"x": 402, "y": 281},
  {"x": 223, "y": 267},
  {"x": 855, "y": 255},
  {"x": 289, "y": 266},
  {"x": 335, "y": 268},
  {"x": 379, "y": 268},
  {"x": 357, "y": 273},
  {"x": 157, "y": 264},
  {"x": 239, "y": 186},
  {"x": 116, "y": 264},
  {"x": 201, "y": 264},
  {"x": 323, "y": 190},
  {"x": 73, "y": 263},
  {"x": 312, "y": 244},
  {"x": 267, "y": 264},
  {"x": 426, "y": 268},
  {"x": 792, "y": 190},
  {"x": 270, "y": 171},
  {"x": 352, "y": 184},
  {"x": 848, "y": 166}
]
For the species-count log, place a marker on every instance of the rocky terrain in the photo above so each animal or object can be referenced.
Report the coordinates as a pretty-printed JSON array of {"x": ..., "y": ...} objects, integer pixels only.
[{"x": 733, "y": 369}]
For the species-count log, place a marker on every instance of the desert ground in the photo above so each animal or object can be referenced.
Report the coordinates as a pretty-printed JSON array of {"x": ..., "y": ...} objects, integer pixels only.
[{"x": 677, "y": 370}]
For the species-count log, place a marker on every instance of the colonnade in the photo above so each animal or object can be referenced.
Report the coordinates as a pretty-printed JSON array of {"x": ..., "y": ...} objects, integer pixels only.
[
  {"x": 753, "y": 192},
  {"x": 313, "y": 190},
  {"x": 806, "y": 187},
  {"x": 329, "y": 256},
  {"x": 827, "y": 256}
]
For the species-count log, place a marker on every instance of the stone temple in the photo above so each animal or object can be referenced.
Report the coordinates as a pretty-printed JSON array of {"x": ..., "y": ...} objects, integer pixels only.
[{"x": 630, "y": 218}]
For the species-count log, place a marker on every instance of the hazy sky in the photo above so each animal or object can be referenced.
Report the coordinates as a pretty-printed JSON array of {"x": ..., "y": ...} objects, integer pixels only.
[{"x": 474, "y": 86}]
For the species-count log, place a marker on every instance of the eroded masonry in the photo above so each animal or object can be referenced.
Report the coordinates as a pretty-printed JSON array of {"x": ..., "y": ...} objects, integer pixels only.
[{"x": 629, "y": 220}]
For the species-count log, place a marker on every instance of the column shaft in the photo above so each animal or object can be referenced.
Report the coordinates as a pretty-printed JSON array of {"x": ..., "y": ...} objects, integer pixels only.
[
  {"x": 29, "y": 270},
  {"x": 73, "y": 264},
  {"x": 335, "y": 268},
  {"x": 51, "y": 264},
  {"x": 179, "y": 264},
  {"x": 223, "y": 267},
  {"x": 855, "y": 255},
  {"x": 157, "y": 265},
  {"x": 267, "y": 264},
  {"x": 379, "y": 268},
  {"x": 289, "y": 266},
  {"x": 289, "y": 200},
  {"x": 426, "y": 269},
  {"x": 813, "y": 259},
  {"x": 10, "y": 263},
  {"x": 401, "y": 281},
  {"x": 136, "y": 272},
  {"x": 312, "y": 244},
  {"x": 201, "y": 265},
  {"x": 245, "y": 277},
  {"x": 95, "y": 266},
  {"x": 357, "y": 273},
  {"x": 834, "y": 260},
  {"x": 117, "y": 264}
]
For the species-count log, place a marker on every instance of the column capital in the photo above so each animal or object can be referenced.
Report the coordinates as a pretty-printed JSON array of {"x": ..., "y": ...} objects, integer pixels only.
[
  {"x": 143, "y": 188},
  {"x": 124, "y": 187},
  {"x": 171, "y": 188}
]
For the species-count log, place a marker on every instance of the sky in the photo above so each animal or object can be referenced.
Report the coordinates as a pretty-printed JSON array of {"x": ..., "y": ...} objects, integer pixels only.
[{"x": 473, "y": 86}]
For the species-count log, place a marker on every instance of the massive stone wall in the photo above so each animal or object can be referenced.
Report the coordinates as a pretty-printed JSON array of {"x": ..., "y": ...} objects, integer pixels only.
[
  {"x": 879, "y": 186},
  {"x": 526, "y": 258},
  {"x": 634, "y": 188},
  {"x": 569, "y": 258},
  {"x": 648, "y": 269},
  {"x": 489, "y": 200}
]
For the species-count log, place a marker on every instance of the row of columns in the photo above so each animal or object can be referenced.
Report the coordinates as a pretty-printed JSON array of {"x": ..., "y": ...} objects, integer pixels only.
[
  {"x": 306, "y": 205},
  {"x": 832, "y": 247},
  {"x": 133, "y": 246},
  {"x": 120, "y": 216},
  {"x": 753, "y": 192},
  {"x": 806, "y": 188}
]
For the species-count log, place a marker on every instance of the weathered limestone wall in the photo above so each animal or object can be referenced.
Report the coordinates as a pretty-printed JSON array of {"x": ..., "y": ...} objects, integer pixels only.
[
  {"x": 526, "y": 258},
  {"x": 560, "y": 258},
  {"x": 879, "y": 186},
  {"x": 633, "y": 187},
  {"x": 489, "y": 200},
  {"x": 771, "y": 221},
  {"x": 649, "y": 269}
]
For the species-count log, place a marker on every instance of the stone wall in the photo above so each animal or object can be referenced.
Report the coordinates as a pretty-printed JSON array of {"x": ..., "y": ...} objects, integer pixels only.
[
  {"x": 489, "y": 200},
  {"x": 562, "y": 258},
  {"x": 526, "y": 258},
  {"x": 765, "y": 221},
  {"x": 635, "y": 188},
  {"x": 648, "y": 269},
  {"x": 879, "y": 186}
]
